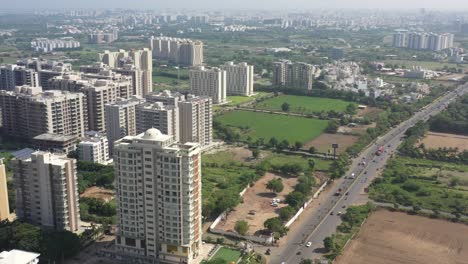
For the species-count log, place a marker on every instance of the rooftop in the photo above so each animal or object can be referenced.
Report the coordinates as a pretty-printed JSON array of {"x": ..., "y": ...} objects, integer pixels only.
[
  {"x": 55, "y": 137},
  {"x": 17, "y": 257}
]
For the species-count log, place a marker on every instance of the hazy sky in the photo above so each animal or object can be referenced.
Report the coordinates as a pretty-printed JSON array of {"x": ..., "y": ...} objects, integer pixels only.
[{"x": 237, "y": 4}]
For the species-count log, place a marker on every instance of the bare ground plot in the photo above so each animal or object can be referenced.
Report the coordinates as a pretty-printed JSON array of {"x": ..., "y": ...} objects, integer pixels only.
[
  {"x": 435, "y": 140},
  {"x": 323, "y": 142},
  {"x": 358, "y": 129},
  {"x": 370, "y": 112},
  {"x": 258, "y": 198},
  {"x": 97, "y": 192},
  {"x": 393, "y": 237}
]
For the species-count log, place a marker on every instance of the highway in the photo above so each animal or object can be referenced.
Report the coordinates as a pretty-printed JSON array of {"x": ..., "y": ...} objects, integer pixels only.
[{"x": 316, "y": 226}]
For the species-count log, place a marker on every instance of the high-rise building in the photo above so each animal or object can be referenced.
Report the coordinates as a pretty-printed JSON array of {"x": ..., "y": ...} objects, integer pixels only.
[
  {"x": 165, "y": 118},
  {"x": 166, "y": 97},
  {"x": 400, "y": 39},
  {"x": 208, "y": 82},
  {"x": 121, "y": 119},
  {"x": 94, "y": 147},
  {"x": 158, "y": 186},
  {"x": 57, "y": 70},
  {"x": 239, "y": 78},
  {"x": 4, "y": 204},
  {"x": 184, "y": 52},
  {"x": 12, "y": 75},
  {"x": 18, "y": 257},
  {"x": 293, "y": 74},
  {"x": 196, "y": 120},
  {"x": 28, "y": 112},
  {"x": 423, "y": 40},
  {"x": 141, "y": 59},
  {"x": 46, "y": 190}
]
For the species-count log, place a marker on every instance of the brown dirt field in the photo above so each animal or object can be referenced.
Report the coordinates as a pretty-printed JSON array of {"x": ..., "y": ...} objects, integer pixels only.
[
  {"x": 370, "y": 112},
  {"x": 324, "y": 141},
  {"x": 394, "y": 237},
  {"x": 241, "y": 154},
  {"x": 97, "y": 192},
  {"x": 435, "y": 140},
  {"x": 258, "y": 198}
]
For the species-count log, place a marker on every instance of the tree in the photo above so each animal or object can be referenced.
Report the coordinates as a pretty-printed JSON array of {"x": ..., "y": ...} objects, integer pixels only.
[
  {"x": 297, "y": 145},
  {"x": 332, "y": 127},
  {"x": 311, "y": 164},
  {"x": 275, "y": 185},
  {"x": 255, "y": 153},
  {"x": 241, "y": 227},
  {"x": 312, "y": 150},
  {"x": 286, "y": 213},
  {"x": 295, "y": 199},
  {"x": 306, "y": 261},
  {"x": 329, "y": 243},
  {"x": 351, "y": 109},
  {"x": 285, "y": 107},
  {"x": 284, "y": 144},
  {"x": 273, "y": 142},
  {"x": 60, "y": 245},
  {"x": 275, "y": 225}
]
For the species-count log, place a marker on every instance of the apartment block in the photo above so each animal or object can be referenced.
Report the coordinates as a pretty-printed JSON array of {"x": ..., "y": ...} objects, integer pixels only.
[
  {"x": 48, "y": 45},
  {"x": 4, "y": 204},
  {"x": 239, "y": 78},
  {"x": 100, "y": 37},
  {"x": 46, "y": 190},
  {"x": 165, "y": 118},
  {"x": 141, "y": 59},
  {"x": 94, "y": 147},
  {"x": 57, "y": 70},
  {"x": 55, "y": 143},
  {"x": 158, "y": 186},
  {"x": 293, "y": 74},
  {"x": 121, "y": 119},
  {"x": 166, "y": 97},
  {"x": 423, "y": 40},
  {"x": 184, "y": 52},
  {"x": 196, "y": 120},
  {"x": 208, "y": 82},
  {"x": 12, "y": 75},
  {"x": 29, "y": 111}
]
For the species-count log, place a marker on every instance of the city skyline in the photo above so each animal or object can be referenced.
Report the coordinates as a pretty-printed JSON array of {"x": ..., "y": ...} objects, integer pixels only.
[{"x": 241, "y": 4}]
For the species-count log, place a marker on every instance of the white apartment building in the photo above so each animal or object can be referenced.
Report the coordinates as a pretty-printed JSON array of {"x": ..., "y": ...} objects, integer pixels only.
[
  {"x": 208, "y": 82},
  {"x": 28, "y": 112},
  {"x": 196, "y": 120},
  {"x": 121, "y": 119},
  {"x": 94, "y": 147},
  {"x": 48, "y": 45},
  {"x": 184, "y": 52},
  {"x": 239, "y": 78},
  {"x": 166, "y": 97},
  {"x": 46, "y": 190},
  {"x": 423, "y": 40},
  {"x": 165, "y": 118},
  {"x": 16, "y": 256},
  {"x": 158, "y": 186},
  {"x": 12, "y": 75},
  {"x": 141, "y": 59}
]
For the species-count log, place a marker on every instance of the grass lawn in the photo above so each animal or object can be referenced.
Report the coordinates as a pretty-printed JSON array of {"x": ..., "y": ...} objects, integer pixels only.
[
  {"x": 304, "y": 104},
  {"x": 430, "y": 65},
  {"x": 237, "y": 99},
  {"x": 280, "y": 159},
  {"x": 227, "y": 254},
  {"x": 263, "y": 125}
]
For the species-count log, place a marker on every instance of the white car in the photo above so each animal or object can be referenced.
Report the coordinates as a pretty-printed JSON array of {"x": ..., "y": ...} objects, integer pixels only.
[{"x": 309, "y": 244}]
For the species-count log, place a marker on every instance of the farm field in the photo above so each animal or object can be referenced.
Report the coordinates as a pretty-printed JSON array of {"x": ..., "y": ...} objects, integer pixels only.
[
  {"x": 261, "y": 125},
  {"x": 227, "y": 254},
  {"x": 435, "y": 140},
  {"x": 323, "y": 142},
  {"x": 394, "y": 237},
  {"x": 304, "y": 104},
  {"x": 278, "y": 159},
  {"x": 430, "y": 65},
  {"x": 432, "y": 185},
  {"x": 258, "y": 199},
  {"x": 237, "y": 99}
]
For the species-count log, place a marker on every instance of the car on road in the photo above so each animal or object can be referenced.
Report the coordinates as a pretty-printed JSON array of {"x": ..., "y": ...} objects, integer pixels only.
[
  {"x": 340, "y": 213},
  {"x": 309, "y": 244}
]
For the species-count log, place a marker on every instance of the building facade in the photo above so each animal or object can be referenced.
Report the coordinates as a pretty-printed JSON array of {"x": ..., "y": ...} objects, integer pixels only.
[
  {"x": 28, "y": 112},
  {"x": 46, "y": 190},
  {"x": 208, "y": 82},
  {"x": 165, "y": 118},
  {"x": 94, "y": 147},
  {"x": 158, "y": 183},
  {"x": 293, "y": 74},
  {"x": 239, "y": 78},
  {"x": 13, "y": 75},
  {"x": 184, "y": 52},
  {"x": 196, "y": 120}
]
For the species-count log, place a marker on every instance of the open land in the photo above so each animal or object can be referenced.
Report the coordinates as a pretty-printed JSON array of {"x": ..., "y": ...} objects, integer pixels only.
[
  {"x": 98, "y": 192},
  {"x": 323, "y": 142},
  {"x": 258, "y": 199},
  {"x": 304, "y": 104},
  {"x": 394, "y": 237},
  {"x": 435, "y": 140},
  {"x": 262, "y": 125},
  {"x": 227, "y": 254}
]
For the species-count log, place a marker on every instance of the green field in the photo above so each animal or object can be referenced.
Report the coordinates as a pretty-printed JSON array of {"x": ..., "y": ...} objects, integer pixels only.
[
  {"x": 262, "y": 125},
  {"x": 304, "y": 104},
  {"x": 237, "y": 99},
  {"x": 281, "y": 159},
  {"x": 227, "y": 254}
]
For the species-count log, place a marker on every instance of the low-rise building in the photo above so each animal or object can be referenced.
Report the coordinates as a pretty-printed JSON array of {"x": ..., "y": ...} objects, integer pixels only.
[
  {"x": 94, "y": 147},
  {"x": 55, "y": 143},
  {"x": 16, "y": 256}
]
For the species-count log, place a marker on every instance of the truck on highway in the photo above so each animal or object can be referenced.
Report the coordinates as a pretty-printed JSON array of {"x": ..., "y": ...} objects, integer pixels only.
[{"x": 380, "y": 150}]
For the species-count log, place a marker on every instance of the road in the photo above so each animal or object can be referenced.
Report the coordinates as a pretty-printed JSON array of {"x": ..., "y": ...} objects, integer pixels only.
[{"x": 316, "y": 226}]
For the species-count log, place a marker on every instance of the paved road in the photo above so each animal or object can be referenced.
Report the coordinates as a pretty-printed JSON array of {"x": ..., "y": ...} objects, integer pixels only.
[{"x": 315, "y": 227}]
